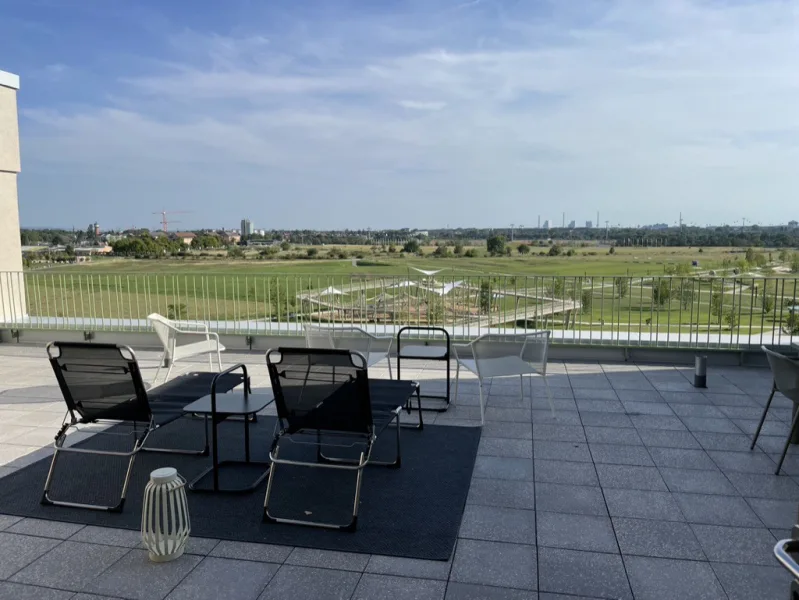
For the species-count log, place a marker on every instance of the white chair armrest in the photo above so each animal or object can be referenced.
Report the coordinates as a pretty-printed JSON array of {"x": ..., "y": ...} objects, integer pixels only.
[{"x": 463, "y": 348}]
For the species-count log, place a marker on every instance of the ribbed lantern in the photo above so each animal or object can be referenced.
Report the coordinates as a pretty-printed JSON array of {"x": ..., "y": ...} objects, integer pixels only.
[{"x": 165, "y": 525}]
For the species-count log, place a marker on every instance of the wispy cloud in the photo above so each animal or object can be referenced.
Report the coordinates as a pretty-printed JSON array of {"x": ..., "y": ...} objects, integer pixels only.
[{"x": 518, "y": 105}]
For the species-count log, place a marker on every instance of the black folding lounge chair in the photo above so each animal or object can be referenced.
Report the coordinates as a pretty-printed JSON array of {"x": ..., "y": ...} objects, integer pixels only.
[
  {"x": 324, "y": 397},
  {"x": 102, "y": 383}
]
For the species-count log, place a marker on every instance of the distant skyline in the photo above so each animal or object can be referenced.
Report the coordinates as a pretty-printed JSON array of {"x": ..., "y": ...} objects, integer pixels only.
[{"x": 404, "y": 113}]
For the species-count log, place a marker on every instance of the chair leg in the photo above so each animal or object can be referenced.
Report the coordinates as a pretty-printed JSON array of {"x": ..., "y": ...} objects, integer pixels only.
[
  {"x": 388, "y": 358},
  {"x": 211, "y": 362},
  {"x": 158, "y": 370},
  {"x": 763, "y": 416},
  {"x": 219, "y": 358},
  {"x": 482, "y": 406},
  {"x": 169, "y": 371},
  {"x": 787, "y": 442},
  {"x": 521, "y": 386},
  {"x": 457, "y": 379}
]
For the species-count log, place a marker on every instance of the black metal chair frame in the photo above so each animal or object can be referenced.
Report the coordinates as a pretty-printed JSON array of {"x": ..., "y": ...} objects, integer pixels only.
[{"x": 285, "y": 430}]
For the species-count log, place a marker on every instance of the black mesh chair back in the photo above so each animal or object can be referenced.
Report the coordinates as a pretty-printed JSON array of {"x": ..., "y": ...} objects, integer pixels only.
[
  {"x": 98, "y": 381},
  {"x": 321, "y": 389},
  {"x": 786, "y": 374}
]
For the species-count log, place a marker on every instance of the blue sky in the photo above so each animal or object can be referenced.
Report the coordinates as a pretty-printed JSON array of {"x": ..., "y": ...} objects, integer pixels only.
[{"x": 394, "y": 113}]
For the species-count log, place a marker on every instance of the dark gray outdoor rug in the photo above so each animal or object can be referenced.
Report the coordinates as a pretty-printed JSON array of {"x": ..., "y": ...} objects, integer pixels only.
[{"x": 414, "y": 511}]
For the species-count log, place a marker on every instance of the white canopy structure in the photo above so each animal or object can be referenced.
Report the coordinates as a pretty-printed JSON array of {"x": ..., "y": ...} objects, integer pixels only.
[
  {"x": 428, "y": 273},
  {"x": 402, "y": 284},
  {"x": 331, "y": 291},
  {"x": 445, "y": 289}
]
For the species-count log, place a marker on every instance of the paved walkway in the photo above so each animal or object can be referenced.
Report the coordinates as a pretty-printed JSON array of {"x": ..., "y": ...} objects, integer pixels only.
[{"x": 640, "y": 487}]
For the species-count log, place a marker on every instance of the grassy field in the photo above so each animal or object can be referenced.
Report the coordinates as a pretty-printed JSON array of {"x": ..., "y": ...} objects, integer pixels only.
[{"x": 499, "y": 291}]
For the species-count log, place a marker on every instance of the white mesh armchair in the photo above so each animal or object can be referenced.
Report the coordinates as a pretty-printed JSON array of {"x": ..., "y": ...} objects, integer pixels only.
[
  {"x": 180, "y": 340},
  {"x": 374, "y": 348},
  {"x": 497, "y": 355}
]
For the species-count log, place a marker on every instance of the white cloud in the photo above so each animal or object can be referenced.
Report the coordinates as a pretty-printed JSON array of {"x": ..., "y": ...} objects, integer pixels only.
[{"x": 642, "y": 109}]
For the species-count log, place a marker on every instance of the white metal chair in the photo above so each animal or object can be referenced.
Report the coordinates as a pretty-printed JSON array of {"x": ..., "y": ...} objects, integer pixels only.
[
  {"x": 786, "y": 381},
  {"x": 497, "y": 355},
  {"x": 170, "y": 331},
  {"x": 374, "y": 348}
]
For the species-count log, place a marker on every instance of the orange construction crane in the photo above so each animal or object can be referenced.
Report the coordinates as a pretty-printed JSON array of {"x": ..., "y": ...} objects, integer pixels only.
[{"x": 164, "y": 221}]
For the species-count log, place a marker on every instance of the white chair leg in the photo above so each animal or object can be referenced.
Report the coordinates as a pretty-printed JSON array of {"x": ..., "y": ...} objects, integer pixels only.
[
  {"x": 171, "y": 364},
  {"x": 210, "y": 362},
  {"x": 218, "y": 358},
  {"x": 457, "y": 378},
  {"x": 549, "y": 396},
  {"x": 158, "y": 370},
  {"x": 482, "y": 406}
]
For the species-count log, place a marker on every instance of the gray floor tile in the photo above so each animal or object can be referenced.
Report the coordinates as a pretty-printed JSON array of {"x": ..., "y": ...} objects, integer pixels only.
[
  {"x": 630, "y": 477},
  {"x": 558, "y": 433},
  {"x": 328, "y": 559},
  {"x": 200, "y": 546},
  {"x": 657, "y": 422},
  {"x": 559, "y": 471},
  {"x": 217, "y": 578},
  {"x": 409, "y": 567},
  {"x": 511, "y": 415},
  {"x": 250, "y": 551},
  {"x": 573, "y": 451},
  {"x": 682, "y": 458},
  {"x": 70, "y": 565},
  {"x": 548, "y": 596},
  {"x": 737, "y": 442},
  {"x": 42, "y": 528},
  {"x": 505, "y": 447},
  {"x": 774, "y": 513},
  {"x": 775, "y": 487},
  {"x": 576, "y": 532},
  {"x": 386, "y": 587},
  {"x": 750, "y": 582},
  {"x": 716, "y": 510},
  {"x": 7, "y": 521},
  {"x": 736, "y": 544},
  {"x": 685, "y": 398},
  {"x": 495, "y": 564},
  {"x": 663, "y": 539},
  {"x": 520, "y": 431},
  {"x": 494, "y": 467},
  {"x": 470, "y": 591},
  {"x": 699, "y": 482},
  {"x": 498, "y": 524},
  {"x": 648, "y": 408},
  {"x": 613, "y": 435},
  {"x": 659, "y": 438},
  {"x": 561, "y": 417},
  {"x": 743, "y": 462},
  {"x": 700, "y": 424},
  {"x": 135, "y": 577},
  {"x": 582, "y": 574},
  {"x": 108, "y": 536},
  {"x": 620, "y": 455},
  {"x": 600, "y": 419},
  {"x": 19, "y": 591},
  {"x": 658, "y": 578},
  {"x": 600, "y": 405},
  {"x": 573, "y": 499},
  {"x": 309, "y": 582},
  {"x": 589, "y": 394},
  {"x": 704, "y": 411},
  {"x": 498, "y": 492},
  {"x": 642, "y": 504}
]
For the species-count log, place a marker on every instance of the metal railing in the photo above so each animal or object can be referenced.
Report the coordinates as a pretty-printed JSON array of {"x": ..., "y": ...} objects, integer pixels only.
[{"x": 683, "y": 312}]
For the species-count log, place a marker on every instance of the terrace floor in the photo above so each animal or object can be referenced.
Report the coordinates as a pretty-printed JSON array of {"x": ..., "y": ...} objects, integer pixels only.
[{"x": 640, "y": 487}]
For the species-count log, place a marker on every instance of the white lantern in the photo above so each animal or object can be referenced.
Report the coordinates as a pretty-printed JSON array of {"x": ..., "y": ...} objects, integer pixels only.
[{"x": 165, "y": 525}]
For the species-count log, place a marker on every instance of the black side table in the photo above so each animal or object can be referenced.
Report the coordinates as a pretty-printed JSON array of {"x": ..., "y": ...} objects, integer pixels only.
[
  {"x": 220, "y": 407},
  {"x": 417, "y": 351}
]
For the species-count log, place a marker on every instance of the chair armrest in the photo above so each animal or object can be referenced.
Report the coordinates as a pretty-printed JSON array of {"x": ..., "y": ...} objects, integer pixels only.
[
  {"x": 193, "y": 326},
  {"x": 463, "y": 347}
]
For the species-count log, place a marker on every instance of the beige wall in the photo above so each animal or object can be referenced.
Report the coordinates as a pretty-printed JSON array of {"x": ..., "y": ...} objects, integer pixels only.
[{"x": 12, "y": 293}]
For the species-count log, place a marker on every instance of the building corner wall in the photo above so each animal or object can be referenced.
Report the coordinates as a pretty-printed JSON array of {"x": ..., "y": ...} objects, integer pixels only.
[{"x": 12, "y": 285}]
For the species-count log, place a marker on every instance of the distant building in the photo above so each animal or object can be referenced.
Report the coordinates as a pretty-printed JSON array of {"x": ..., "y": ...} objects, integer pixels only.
[
  {"x": 261, "y": 232},
  {"x": 589, "y": 224},
  {"x": 793, "y": 224},
  {"x": 230, "y": 237},
  {"x": 246, "y": 227},
  {"x": 572, "y": 225},
  {"x": 185, "y": 237},
  {"x": 547, "y": 224},
  {"x": 88, "y": 251}
]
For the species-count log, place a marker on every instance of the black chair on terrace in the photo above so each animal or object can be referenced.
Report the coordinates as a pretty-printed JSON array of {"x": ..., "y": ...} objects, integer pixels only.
[
  {"x": 324, "y": 397},
  {"x": 102, "y": 384}
]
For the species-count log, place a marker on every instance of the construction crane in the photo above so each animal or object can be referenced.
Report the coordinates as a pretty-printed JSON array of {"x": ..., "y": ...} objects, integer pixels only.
[{"x": 164, "y": 221}]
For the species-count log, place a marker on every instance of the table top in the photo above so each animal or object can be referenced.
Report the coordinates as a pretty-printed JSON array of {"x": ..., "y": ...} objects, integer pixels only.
[
  {"x": 231, "y": 403},
  {"x": 412, "y": 351}
]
